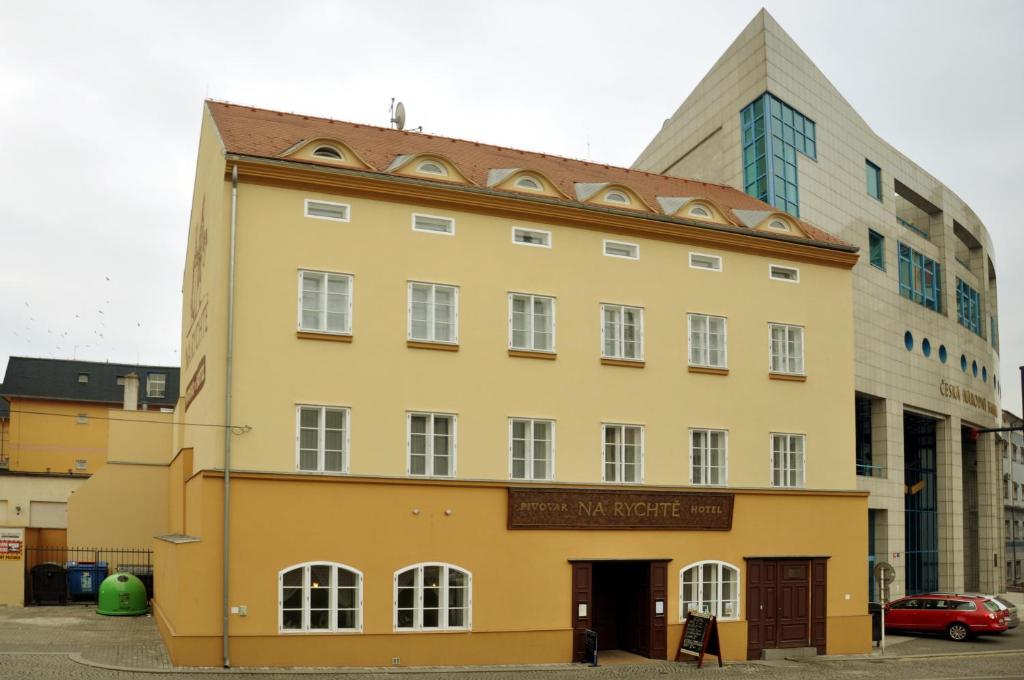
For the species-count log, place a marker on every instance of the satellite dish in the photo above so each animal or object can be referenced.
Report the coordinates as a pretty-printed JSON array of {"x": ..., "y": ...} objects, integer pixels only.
[{"x": 398, "y": 118}]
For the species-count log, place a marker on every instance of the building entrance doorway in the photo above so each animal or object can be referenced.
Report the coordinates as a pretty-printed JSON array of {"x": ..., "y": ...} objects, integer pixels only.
[
  {"x": 786, "y": 603},
  {"x": 624, "y": 602},
  {"x": 921, "y": 504}
]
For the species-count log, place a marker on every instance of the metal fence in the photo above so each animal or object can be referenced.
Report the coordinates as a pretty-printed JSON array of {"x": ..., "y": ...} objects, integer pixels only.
[{"x": 57, "y": 575}]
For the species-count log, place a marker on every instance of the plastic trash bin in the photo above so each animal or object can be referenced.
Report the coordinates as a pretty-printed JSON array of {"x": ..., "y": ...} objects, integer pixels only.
[
  {"x": 122, "y": 595},
  {"x": 48, "y": 584},
  {"x": 84, "y": 579}
]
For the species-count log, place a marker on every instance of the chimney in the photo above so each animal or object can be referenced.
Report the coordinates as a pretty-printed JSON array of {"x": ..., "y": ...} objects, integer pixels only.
[{"x": 131, "y": 392}]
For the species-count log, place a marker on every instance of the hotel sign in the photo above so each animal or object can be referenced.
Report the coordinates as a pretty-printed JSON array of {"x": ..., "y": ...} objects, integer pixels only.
[
  {"x": 618, "y": 509},
  {"x": 965, "y": 396}
]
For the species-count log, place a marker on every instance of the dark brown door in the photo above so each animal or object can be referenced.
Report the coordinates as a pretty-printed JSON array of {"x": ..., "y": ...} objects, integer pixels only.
[
  {"x": 785, "y": 604},
  {"x": 794, "y": 602},
  {"x": 582, "y": 606},
  {"x": 659, "y": 599}
]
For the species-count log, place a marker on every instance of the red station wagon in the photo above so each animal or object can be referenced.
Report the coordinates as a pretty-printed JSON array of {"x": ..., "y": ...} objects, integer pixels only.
[{"x": 957, "y": 616}]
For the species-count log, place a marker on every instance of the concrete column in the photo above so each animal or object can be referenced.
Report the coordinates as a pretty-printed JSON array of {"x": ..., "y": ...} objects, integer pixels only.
[
  {"x": 991, "y": 560},
  {"x": 949, "y": 476}
]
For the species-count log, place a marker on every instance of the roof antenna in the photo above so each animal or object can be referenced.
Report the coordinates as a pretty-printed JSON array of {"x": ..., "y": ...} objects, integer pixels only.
[{"x": 397, "y": 115}]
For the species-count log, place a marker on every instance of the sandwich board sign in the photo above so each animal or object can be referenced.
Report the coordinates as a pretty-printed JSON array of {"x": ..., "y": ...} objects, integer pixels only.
[{"x": 700, "y": 637}]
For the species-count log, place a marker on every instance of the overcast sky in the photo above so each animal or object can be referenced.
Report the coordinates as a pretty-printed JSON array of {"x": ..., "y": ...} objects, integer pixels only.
[{"x": 100, "y": 108}]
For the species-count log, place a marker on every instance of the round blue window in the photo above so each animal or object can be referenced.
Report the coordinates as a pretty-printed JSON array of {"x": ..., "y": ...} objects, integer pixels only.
[
  {"x": 908, "y": 340},
  {"x": 926, "y": 347},
  {"x": 984, "y": 374},
  {"x": 974, "y": 368},
  {"x": 963, "y": 363},
  {"x": 942, "y": 353}
]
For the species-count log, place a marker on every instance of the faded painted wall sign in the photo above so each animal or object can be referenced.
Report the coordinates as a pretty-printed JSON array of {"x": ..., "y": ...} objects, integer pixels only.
[{"x": 618, "y": 509}]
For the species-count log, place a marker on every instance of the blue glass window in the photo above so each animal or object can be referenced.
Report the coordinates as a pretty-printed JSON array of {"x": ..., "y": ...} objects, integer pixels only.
[
  {"x": 993, "y": 333},
  {"x": 963, "y": 363},
  {"x": 876, "y": 249},
  {"x": 984, "y": 374},
  {"x": 773, "y": 132},
  {"x": 920, "y": 278},
  {"x": 874, "y": 177},
  {"x": 974, "y": 368},
  {"x": 968, "y": 307},
  {"x": 926, "y": 347},
  {"x": 908, "y": 340},
  {"x": 943, "y": 355}
]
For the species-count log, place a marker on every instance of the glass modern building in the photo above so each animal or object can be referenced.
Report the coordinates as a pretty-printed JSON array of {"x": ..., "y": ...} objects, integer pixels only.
[{"x": 767, "y": 121}]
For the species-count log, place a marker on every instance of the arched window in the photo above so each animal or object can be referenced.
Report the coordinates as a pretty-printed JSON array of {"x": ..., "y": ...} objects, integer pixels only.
[
  {"x": 617, "y": 197},
  {"x": 431, "y": 168},
  {"x": 529, "y": 183},
  {"x": 433, "y": 596},
  {"x": 320, "y": 597},
  {"x": 699, "y": 211},
  {"x": 712, "y": 587},
  {"x": 328, "y": 152},
  {"x": 778, "y": 224}
]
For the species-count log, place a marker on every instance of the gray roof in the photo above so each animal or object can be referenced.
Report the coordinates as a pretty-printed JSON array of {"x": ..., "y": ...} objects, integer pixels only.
[
  {"x": 5, "y": 407},
  {"x": 59, "y": 379}
]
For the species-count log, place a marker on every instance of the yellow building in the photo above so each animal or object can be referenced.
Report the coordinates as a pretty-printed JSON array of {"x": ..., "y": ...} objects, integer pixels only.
[
  {"x": 482, "y": 400},
  {"x": 69, "y": 424}
]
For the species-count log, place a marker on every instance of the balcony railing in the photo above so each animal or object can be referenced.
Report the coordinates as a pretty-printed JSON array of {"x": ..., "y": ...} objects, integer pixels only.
[{"x": 866, "y": 470}]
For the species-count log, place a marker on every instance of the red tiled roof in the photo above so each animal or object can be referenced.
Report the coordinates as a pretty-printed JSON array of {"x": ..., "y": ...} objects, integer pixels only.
[{"x": 260, "y": 132}]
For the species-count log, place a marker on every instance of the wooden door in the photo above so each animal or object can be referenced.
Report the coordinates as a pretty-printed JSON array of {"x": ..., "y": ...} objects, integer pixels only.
[
  {"x": 582, "y": 606},
  {"x": 658, "y": 648},
  {"x": 794, "y": 600}
]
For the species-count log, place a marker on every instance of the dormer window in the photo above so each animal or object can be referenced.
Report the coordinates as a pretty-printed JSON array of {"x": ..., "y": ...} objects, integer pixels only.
[
  {"x": 83, "y": 378},
  {"x": 328, "y": 152},
  {"x": 528, "y": 183},
  {"x": 432, "y": 168},
  {"x": 617, "y": 197},
  {"x": 699, "y": 211},
  {"x": 779, "y": 225}
]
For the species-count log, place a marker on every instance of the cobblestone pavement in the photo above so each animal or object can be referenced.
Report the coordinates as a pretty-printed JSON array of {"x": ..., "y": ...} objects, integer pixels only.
[{"x": 75, "y": 643}]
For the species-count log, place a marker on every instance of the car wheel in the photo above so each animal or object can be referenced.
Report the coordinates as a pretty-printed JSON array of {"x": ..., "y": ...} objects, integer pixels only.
[{"x": 958, "y": 632}]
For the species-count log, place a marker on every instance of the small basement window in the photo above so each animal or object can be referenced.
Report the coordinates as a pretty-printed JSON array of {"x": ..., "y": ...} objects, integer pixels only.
[
  {"x": 324, "y": 210},
  {"x": 629, "y": 251},
  {"x": 780, "y": 273},
  {"x": 83, "y": 378},
  {"x": 328, "y": 152},
  {"x": 702, "y": 261},
  {"x": 431, "y": 168},
  {"x": 433, "y": 224},
  {"x": 617, "y": 197},
  {"x": 531, "y": 237}
]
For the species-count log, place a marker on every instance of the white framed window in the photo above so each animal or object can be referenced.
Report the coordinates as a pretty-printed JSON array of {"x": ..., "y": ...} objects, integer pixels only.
[
  {"x": 433, "y": 596},
  {"x": 531, "y": 322},
  {"x": 615, "y": 196},
  {"x": 622, "y": 332},
  {"x": 621, "y": 249},
  {"x": 710, "y": 587},
  {"x": 786, "y": 348},
  {"x": 321, "y": 438},
  {"x": 431, "y": 444},
  {"x": 433, "y": 312},
  {"x": 531, "y": 448},
  {"x": 319, "y": 597},
  {"x": 529, "y": 183},
  {"x": 329, "y": 152},
  {"x": 325, "y": 210},
  {"x": 325, "y": 302},
  {"x": 779, "y": 272},
  {"x": 156, "y": 385},
  {"x": 709, "y": 457},
  {"x": 708, "y": 344},
  {"x": 432, "y": 168},
  {"x": 699, "y": 211},
  {"x": 622, "y": 453},
  {"x": 537, "y": 238},
  {"x": 704, "y": 261},
  {"x": 787, "y": 460},
  {"x": 433, "y": 224},
  {"x": 778, "y": 224}
]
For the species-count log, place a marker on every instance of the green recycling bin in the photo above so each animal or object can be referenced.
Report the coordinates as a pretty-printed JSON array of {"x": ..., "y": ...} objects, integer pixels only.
[{"x": 122, "y": 595}]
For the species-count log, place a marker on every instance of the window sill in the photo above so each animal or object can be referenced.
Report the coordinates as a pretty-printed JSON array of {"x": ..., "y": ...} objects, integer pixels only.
[
  {"x": 440, "y": 346},
  {"x": 532, "y": 354},
  {"x": 314, "y": 335},
  {"x": 789, "y": 377},
  {"x": 630, "y": 363},
  {"x": 708, "y": 370}
]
